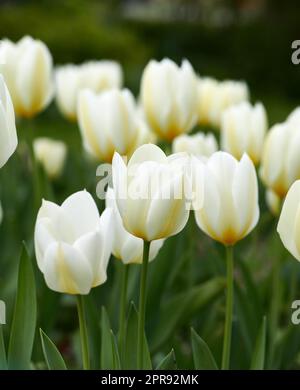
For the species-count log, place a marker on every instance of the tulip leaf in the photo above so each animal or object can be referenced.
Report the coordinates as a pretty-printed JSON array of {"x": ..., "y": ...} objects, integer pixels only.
[
  {"x": 258, "y": 358},
  {"x": 24, "y": 317},
  {"x": 3, "y": 361},
  {"x": 130, "y": 353},
  {"x": 109, "y": 357},
  {"x": 183, "y": 306},
  {"x": 202, "y": 356},
  {"x": 52, "y": 355},
  {"x": 168, "y": 362}
]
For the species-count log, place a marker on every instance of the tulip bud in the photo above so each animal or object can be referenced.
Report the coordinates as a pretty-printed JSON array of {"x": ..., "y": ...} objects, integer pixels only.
[
  {"x": 151, "y": 192},
  {"x": 27, "y": 69},
  {"x": 243, "y": 129},
  {"x": 289, "y": 221},
  {"x": 230, "y": 201},
  {"x": 8, "y": 133},
  {"x": 280, "y": 164},
  {"x": 51, "y": 154},
  {"x": 169, "y": 97},
  {"x": 273, "y": 202},
  {"x": 214, "y": 97},
  {"x": 294, "y": 117},
  {"x": 72, "y": 244},
  {"x": 107, "y": 122},
  {"x": 199, "y": 144},
  {"x": 126, "y": 247},
  {"x": 94, "y": 75}
]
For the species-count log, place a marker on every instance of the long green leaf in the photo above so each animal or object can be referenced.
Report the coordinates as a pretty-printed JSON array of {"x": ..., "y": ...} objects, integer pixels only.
[
  {"x": 203, "y": 358},
  {"x": 183, "y": 306},
  {"x": 130, "y": 353},
  {"x": 168, "y": 362},
  {"x": 24, "y": 318},
  {"x": 258, "y": 358},
  {"x": 109, "y": 358},
  {"x": 52, "y": 355}
]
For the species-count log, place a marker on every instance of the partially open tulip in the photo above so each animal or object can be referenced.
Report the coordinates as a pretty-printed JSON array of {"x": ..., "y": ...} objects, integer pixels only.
[
  {"x": 199, "y": 144},
  {"x": 108, "y": 122},
  {"x": 243, "y": 129},
  {"x": 280, "y": 164},
  {"x": 8, "y": 134},
  {"x": 169, "y": 97},
  {"x": 289, "y": 221},
  {"x": 214, "y": 97},
  {"x": 151, "y": 192},
  {"x": 126, "y": 247},
  {"x": 94, "y": 75},
  {"x": 73, "y": 244},
  {"x": 273, "y": 202},
  {"x": 51, "y": 154},
  {"x": 27, "y": 69},
  {"x": 230, "y": 201},
  {"x": 294, "y": 117}
]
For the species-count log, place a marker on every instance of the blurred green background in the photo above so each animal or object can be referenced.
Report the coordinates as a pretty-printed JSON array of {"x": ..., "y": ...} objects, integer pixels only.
[{"x": 234, "y": 39}]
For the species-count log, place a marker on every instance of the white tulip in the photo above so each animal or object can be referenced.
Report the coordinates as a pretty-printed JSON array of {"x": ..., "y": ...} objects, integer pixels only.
[
  {"x": 199, "y": 144},
  {"x": 73, "y": 244},
  {"x": 108, "y": 122},
  {"x": 289, "y": 221},
  {"x": 51, "y": 154},
  {"x": 152, "y": 192},
  {"x": 294, "y": 117},
  {"x": 243, "y": 129},
  {"x": 280, "y": 163},
  {"x": 214, "y": 97},
  {"x": 94, "y": 75},
  {"x": 273, "y": 202},
  {"x": 8, "y": 133},
  {"x": 230, "y": 202},
  {"x": 27, "y": 69},
  {"x": 169, "y": 97},
  {"x": 126, "y": 247}
]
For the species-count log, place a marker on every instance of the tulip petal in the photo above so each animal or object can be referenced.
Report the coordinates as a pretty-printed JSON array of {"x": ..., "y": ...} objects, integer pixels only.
[
  {"x": 66, "y": 270},
  {"x": 288, "y": 228}
]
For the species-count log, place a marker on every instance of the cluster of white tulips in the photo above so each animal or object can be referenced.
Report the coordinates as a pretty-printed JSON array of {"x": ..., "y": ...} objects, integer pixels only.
[{"x": 152, "y": 193}]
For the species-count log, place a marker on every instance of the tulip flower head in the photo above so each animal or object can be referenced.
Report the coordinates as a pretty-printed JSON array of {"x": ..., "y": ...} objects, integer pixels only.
[
  {"x": 151, "y": 192},
  {"x": 27, "y": 69},
  {"x": 127, "y": 247},
  {"x": 230, "y": 202},
  {"x": 243, "y": 129},
  {"x": 8, "y": 133},
  {"x": 198, "y": 144},
  {"x": 289, "y": 221},
  {"x": 280, "y": 164},
  {"x": 214, "y": 97},
  {"x": 273, "y": 202},
  {"x": 97, "y": 76},
  {"x": 108, "y": 123},
  {"x": 51, "y": 154},
  {"x": 73, "y": 244},
  {"x": 169, "y": 98}
]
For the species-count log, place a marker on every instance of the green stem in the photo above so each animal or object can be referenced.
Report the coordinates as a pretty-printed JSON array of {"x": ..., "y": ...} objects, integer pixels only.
[
  {"x": 3, "y": 361},
  {"x": 142, "y": 305},
  {"x": 123, "y": 305},
  {"x": 83, "y": 333},
  {"x": 229, "y": 309}
]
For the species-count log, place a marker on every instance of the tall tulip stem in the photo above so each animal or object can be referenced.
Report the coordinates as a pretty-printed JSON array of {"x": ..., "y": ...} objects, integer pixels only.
[
  {"x": 142, "y": 305},
  {"x": 123, "y": 305},
  {"x": 83, "y": 333},
  {"x": 229, "y": 309}
]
